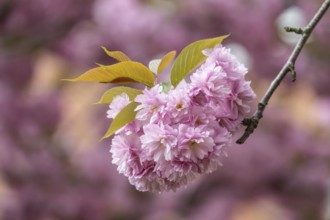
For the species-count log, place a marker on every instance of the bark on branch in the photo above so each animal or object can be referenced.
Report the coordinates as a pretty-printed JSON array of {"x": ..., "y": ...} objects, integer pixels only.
[{"x": 252, "y": 122}]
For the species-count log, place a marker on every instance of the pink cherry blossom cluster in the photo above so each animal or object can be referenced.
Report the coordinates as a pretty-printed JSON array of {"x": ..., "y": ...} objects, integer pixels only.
[{"x": 180, "y": 133}]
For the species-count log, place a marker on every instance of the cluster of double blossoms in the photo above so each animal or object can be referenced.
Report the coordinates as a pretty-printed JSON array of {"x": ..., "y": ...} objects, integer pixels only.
[{"x": 183, "y": 132}]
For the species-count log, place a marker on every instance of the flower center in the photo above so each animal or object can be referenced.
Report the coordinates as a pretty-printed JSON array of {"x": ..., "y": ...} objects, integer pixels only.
[
  {"x": 179, "y": 106},
  {"x": 193, "y": 144}
]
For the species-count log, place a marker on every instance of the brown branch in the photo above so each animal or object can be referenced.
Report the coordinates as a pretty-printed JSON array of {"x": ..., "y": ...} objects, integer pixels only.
[{"x": 252, "y": 122}]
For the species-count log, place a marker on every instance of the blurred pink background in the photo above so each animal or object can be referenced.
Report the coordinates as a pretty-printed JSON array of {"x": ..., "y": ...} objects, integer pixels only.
[{"x": 52, "y": 166}]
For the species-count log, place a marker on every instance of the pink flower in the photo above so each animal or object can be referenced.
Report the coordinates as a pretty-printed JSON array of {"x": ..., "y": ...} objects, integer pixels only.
[
  {"x": 152, "y": 104},
  {"x": 178, "y": 105},
  {"x": 126, "y": 150},
  {"x": 117, "y": 104},
  {"x": 183, "y": 133},
  {"x": 210, "y": 81},
  {"x": 158, "y": 142},
  {"x": 195, "y": 143},
  {"x": 220, "y": 83},
  {"x": 178, "y": 101},
  {"x": 221, "y": 57}
]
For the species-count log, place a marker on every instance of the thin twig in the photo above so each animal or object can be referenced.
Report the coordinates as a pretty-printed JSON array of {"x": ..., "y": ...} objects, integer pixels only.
[{"x": 252, "y": 122}]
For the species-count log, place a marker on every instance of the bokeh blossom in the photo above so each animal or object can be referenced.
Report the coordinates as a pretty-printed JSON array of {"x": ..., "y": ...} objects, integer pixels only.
[
  {"x": 183, "y": 132},
  {"x": 52, "y": 167}
]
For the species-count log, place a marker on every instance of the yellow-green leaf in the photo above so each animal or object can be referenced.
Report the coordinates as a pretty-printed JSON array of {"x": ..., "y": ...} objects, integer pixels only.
[
  {"x": 191, "y": 57},
  {"x": 126, "y": 71},
  {"x": 109, "y": 95},
  {"x": 118, "y": 55},
  {"x": 165, "y": 61},
  {"x": 125, "y": 116}
]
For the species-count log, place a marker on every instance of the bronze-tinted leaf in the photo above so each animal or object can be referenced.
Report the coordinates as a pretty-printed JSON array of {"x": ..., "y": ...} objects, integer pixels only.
[
  {"x": 165, "y": 61},
  {"x": 126, "y": 71},
  {"x": 158, "y": 65},
  {"x": 118, "y": 55}
]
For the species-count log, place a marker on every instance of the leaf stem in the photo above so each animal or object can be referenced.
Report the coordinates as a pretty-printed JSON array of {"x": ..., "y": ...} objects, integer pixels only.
[{"x": 252, "y": 122}]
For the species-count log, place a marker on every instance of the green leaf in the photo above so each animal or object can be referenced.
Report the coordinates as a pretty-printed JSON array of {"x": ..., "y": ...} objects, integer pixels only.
[
  {"x": 191, "y": 57},
  {"x": 158, "y": 65},
  {"x": 166, "y": 86},
  {"x": 125, "y": 116},
  {"x": 118, "y": 55},
  {"x": 123, "y": 72},
  {"x": 109, "y": 95}
]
